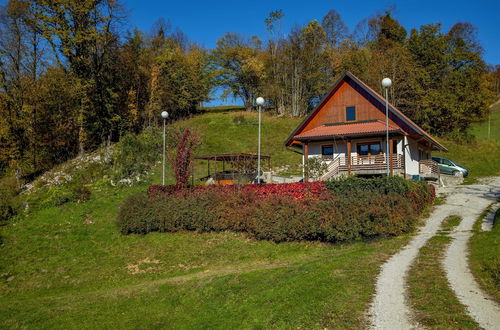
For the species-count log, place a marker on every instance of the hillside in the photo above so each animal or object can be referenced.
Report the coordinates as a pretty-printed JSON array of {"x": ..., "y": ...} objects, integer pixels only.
[
  {"x": 481, "y": 156},
  {"x": 64, "y": 262},
  {"x": 480, "y": 130}
]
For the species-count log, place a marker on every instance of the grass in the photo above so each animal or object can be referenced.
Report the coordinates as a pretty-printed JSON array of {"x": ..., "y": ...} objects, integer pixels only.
[
  {"x": 222, "y": 108},
  {"x": 237, "y": 131},
  {"x": 433, "y": 301},
  {"x": 482, "y": 156},
  {"x": 484, "y": 259},
  {"x": 68, "y": 267},
  {"x": 480, "y": 130}
]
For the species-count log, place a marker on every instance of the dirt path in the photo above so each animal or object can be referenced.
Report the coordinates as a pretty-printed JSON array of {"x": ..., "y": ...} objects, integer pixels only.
[
  {"x": 389, "y": 309},
  {"x": 471, "y": 201}
]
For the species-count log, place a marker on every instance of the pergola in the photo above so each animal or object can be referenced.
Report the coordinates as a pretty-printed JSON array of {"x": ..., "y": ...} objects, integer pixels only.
[{"x": 237, "y": 158}]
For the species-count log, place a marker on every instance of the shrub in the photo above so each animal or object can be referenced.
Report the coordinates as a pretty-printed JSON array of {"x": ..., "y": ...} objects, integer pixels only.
[
  {"x": 136, "y": 215},
  {"x": 385, "y": 185},
  {"x": 281, "y": 213},
  {"x": 136, "y": 153},
  {"x": 299, "y": 191}
]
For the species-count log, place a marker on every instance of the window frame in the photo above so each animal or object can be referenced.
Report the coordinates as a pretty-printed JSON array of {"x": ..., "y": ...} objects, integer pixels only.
[
  {"x": 355, "y": 114},
  {"x": 358, "y": 145},
  {"x": 323, "y": 155}
]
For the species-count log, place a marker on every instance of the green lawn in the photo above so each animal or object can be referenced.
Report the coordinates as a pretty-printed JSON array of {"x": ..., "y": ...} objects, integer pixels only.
[
  {"x": 485, "y": 257},
  {"x": 68, "y": 267}
]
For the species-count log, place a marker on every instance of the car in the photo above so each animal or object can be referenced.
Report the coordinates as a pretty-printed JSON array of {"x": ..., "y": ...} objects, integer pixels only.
[{"x": 447, "y": 166}]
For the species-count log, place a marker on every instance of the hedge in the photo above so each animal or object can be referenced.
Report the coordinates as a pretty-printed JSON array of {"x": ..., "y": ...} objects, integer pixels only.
[
  {"x": 299, "y": 191},
  {"x": 365, "y": 209}
]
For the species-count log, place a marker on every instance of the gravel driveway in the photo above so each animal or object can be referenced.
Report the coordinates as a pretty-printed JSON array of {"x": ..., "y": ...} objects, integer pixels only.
[{"x": 389, "y": 309}]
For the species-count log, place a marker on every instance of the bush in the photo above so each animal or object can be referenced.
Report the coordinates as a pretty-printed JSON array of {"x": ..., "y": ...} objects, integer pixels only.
[
  {"x": 281, "y": 212},
  {"x": 136, "y": 153},
  {"x": 299, "y": 191},
  {"x": 384, "y": 185},
  {"x": 136, "y": 215}
]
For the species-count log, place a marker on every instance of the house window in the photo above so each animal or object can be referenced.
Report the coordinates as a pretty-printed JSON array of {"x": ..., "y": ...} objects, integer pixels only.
[
  {"x": 327, "y": 150},
  {"x": 350, "y": 113},
  {"x": 369, "y": 149}
]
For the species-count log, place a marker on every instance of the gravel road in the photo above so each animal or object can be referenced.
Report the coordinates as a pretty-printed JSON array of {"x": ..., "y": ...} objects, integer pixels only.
[
  {"x": 471, "y": 202},
  {"x": 389, "y": 309}
]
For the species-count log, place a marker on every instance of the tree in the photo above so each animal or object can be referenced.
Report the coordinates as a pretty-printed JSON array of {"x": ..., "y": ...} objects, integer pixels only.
[
  {"x": 239, "y": 66},
  {"x": 180, "y": 81},
  {"x": 83, "y": 32},
  {"x": 334, "y": 27},
  {"x": 451, "y": 78}
]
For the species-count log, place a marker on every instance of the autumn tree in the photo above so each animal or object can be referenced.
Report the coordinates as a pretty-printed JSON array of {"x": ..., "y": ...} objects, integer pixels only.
[{"x": 239, "y": 67}]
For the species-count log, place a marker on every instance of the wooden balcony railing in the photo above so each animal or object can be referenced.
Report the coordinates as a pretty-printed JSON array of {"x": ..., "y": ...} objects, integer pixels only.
[
  {"x": 428, "y": 168},
  {"x": 368, "y": 163},
  {"x": 361, "y": 164}
]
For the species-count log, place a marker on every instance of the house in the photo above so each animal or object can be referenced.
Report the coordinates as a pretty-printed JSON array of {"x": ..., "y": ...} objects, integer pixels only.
[{"x": 347, "y": 131}]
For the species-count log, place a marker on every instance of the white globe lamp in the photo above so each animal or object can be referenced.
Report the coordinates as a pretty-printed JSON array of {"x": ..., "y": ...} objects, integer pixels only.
[
  {"x": 386, "y": 82},
  {"x": 260, "y": 101},
  {"x": 164, "y": 114}
]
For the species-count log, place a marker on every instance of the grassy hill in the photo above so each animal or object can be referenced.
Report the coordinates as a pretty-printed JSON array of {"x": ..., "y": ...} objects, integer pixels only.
[
  {"x": 480, "y": 130},
  {"x": 236, "y": 131},
  {"x": 482, "y": 156},
  {"x": 63, "y": 263}
]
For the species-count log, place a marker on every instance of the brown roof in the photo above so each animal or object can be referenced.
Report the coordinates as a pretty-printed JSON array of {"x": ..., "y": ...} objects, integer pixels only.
[
  {"x": 392, "y": 109},
  {"x": 369, "y": 127}
]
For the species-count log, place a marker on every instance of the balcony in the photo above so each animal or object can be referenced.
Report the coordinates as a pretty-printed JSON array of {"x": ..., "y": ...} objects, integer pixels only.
[{"x": 364, "y": 165}]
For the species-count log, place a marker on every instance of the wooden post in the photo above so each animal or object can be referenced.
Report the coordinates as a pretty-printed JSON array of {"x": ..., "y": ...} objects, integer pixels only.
[
  {"x": 306, "y": 157},
  {"x": 390, "y": 155},
  {"x": 348, "y": 157}
]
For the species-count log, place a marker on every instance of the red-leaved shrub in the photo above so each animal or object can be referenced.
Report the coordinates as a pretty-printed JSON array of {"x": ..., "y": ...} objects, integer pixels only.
[{"x": 296, "y": 191}]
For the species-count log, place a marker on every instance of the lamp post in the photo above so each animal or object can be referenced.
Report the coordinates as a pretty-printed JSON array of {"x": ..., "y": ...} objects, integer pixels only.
[
  {"x": 260, "y": 103},
  {"x": 164, "y": 115},
  {"x": 386, "y": 83}
]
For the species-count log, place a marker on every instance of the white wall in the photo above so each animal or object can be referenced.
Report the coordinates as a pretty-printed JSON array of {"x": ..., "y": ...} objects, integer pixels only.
[
  {"x": 411, "y": 156},
  {"x": 339, "y": 148}
]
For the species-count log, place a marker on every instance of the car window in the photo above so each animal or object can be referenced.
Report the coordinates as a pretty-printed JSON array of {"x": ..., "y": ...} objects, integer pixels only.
[{"x": 447, "y": 162}]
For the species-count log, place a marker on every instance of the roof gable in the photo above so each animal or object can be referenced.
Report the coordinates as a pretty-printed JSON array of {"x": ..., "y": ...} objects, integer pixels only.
[{"x": 364, "y": 95}]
